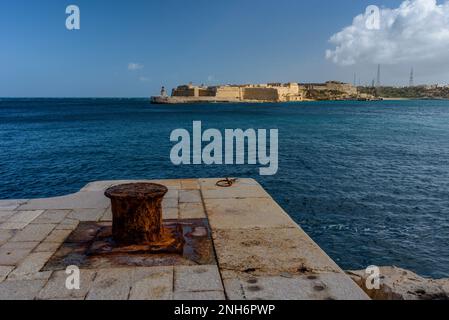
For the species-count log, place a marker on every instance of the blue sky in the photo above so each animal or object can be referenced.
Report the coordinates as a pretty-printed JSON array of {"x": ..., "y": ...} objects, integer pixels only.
[{"x": 174, "y": 42}]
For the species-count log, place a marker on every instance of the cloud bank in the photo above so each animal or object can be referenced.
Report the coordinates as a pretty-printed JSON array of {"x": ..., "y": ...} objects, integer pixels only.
[
  {"x": 416, "y": 32},
  {"x": 134, "y": 66}
]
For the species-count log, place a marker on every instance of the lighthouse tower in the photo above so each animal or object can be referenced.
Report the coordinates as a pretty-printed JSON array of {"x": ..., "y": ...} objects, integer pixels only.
[{"x": 163, "y": 92}]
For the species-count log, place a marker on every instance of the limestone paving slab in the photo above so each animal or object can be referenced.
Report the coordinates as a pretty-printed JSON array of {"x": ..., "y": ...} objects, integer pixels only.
[
  {"x": 191, "y": 211},
  {"x": 107, "y": 215},
  {"x": 169, "y": 213},
  {"x": 5, "y": 235},
  {"x": 21, "y": 289},
  {"x": 67, "y": 224},
  {"x": 211, "y": 183},
  {"x": 170, "y": 203},
  {"x": 241, "y": 188},
  {"x": 169, "y": 183},
  {"x": 13, "y": 256},
  {"x": 190, "y": 184},
  {"x": 197, "y": 278},
  {"x": 10, "y": 204},
  {"x": 55, "y": 288},
  {"x": 47, "y": 247},
  {"x": 235, "y": 193},
  {"x": 99, "y": 185},
  {"x": 33, "y": 232},
  {"x": 80, "y": 200},
  {"x": 111, "y": 284},
  {"x": 5, "y": 215},
  {"x": 20, "y": 245},
  {"x": 30, "y": 267},
  {"x": 172, "y": 194},
  {"x": 4, "y": 271},
  {"x": 246, "y": 213},
  {"x": 155, "y": 283},
  {"x": 189, "y": 196},
  {"x": 52, "y": 216},
  {"x": 87, "y": 214},
  {"x": 13, "y": 225},
  {"x": 324, "y": 286},
  {"x": 44, "y": 275},
  {"x": 270, "y": 251},
  {"x": 58, "y": 236},
  {"x": 103, "y": 185},
  {"x": 25, "y": 216}
]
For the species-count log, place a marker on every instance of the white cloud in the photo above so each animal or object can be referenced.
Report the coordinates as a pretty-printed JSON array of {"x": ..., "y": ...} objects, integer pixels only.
[
  {"x": 416, "y": 32},
  {"x": 134, "y": 66},
  {"x": 144, "y": 79}
]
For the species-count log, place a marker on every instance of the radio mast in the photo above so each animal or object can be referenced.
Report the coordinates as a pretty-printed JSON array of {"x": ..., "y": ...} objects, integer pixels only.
[
  {"x": 412, "y": 80},
  {"x": 378, "y": 76}
]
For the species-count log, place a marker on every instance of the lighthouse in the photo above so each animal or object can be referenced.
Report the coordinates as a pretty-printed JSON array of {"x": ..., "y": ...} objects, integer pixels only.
[{"x": 163, "y": 92}]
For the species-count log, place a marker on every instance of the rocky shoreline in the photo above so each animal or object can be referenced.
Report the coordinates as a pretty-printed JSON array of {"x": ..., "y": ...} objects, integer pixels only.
[{"x": 401, "y": 284}]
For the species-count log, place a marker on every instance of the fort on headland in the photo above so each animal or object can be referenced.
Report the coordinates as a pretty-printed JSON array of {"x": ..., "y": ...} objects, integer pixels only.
[{"x": 261, "y": 93}]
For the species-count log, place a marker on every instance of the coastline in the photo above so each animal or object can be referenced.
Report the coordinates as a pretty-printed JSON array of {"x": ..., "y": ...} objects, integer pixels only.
[
  {"x": 397, "y": 99},
  {"x": 414, "y": 99}
]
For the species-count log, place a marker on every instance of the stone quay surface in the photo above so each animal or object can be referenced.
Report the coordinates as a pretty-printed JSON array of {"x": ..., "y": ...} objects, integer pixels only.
[{"x": 261, "y": 253}]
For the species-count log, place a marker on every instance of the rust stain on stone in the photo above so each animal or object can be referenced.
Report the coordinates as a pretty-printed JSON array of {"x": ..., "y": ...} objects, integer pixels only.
[{"x": 92, "y": 245}]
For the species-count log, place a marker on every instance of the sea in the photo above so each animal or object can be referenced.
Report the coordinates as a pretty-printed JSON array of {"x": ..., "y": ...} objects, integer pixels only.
[{"x": 368, "y": 181}]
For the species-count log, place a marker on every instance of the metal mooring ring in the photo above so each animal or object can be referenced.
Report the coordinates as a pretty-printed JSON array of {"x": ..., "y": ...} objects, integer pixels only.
[{"x": 225, "y": 183}]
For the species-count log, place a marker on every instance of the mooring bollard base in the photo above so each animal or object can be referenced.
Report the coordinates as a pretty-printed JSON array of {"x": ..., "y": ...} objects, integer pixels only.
[
  {"x": 172, "y": 242},
  {"x": 191, "y": 245}
]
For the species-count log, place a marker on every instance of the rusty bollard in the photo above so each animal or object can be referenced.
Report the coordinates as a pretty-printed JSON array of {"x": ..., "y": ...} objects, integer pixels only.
[{"x": 137, "y": 213}]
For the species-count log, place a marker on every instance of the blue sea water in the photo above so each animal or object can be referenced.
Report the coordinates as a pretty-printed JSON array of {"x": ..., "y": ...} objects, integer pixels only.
[{"x": 368, "y": 181}]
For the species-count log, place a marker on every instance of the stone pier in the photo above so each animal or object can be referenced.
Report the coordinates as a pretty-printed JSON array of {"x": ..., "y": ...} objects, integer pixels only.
[{"x": 256, "y": 250}]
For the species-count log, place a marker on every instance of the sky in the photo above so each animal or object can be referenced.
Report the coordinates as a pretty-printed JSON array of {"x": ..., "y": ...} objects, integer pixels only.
[{"x": 132, "y": 48}]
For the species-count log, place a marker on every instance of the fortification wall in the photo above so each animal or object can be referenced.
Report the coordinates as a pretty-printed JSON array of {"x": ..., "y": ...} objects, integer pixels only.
[
  {"x": 343, "y": 87},
  {"x": 265, "y": 94},
  {"x": 291, "y": 92},
  {"x": 183, "y": 92},
  {"x": 231, "y": 93},
  {"x": 209, "y": 92}
]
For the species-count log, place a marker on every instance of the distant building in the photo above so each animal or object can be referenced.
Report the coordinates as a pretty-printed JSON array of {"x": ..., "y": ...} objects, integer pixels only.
[
  {"x": 163, "y": 92},
  {"x": 330, "y": 86},
  {"x": 272, "y": 92}
]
